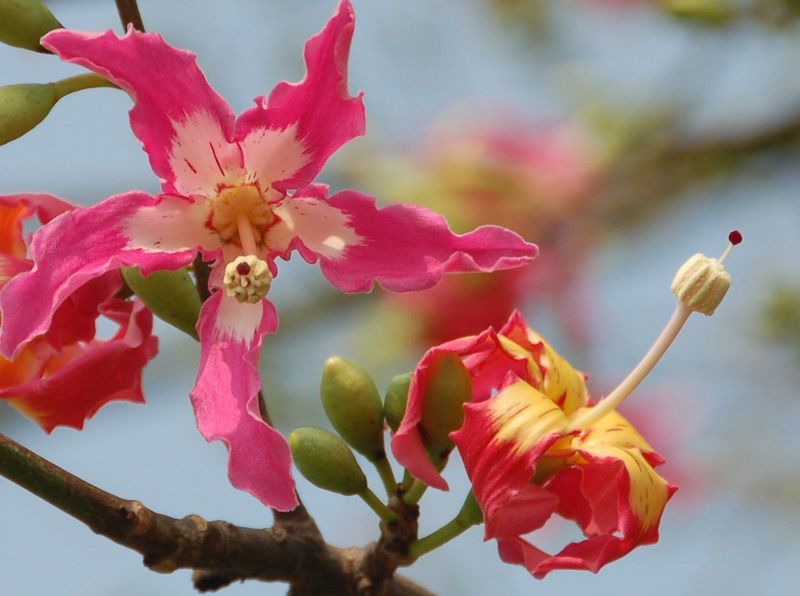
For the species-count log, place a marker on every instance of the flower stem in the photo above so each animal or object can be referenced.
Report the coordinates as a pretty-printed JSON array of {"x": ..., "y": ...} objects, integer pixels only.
[
  {"x": 387, "y": 475},
  {"x": 371, "y": 499},
  {"x": 129, "y": 14},
  {"x": 637, "y": 375},
  {"x": 469, "y": 515},
  {"x": 415, "y": 492},
  {"x": 79, "y": 83}
]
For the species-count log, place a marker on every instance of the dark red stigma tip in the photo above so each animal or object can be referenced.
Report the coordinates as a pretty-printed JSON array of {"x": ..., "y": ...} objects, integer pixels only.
[
  {"x": 242, "y": 268},
  {"x": 735, "y": 237}
]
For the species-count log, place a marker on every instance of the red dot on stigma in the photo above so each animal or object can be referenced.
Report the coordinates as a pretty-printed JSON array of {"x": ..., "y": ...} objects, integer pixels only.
[
  {"x": 735, "y": 237},
  {"x": 242, "y": 268}
]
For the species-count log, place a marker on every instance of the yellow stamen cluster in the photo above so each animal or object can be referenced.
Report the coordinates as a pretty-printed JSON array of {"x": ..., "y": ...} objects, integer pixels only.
[{"x": 240, "y": 201}]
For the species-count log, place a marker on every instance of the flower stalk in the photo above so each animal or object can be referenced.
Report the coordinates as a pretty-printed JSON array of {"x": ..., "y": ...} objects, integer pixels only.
[
  {"x": 374, "y": 503},
  {"x": 469, "y": 515}
]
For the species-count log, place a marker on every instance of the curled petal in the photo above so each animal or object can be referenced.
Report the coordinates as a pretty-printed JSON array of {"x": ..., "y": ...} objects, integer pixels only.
[
  {"x": 287, "y": 139},
  {"x": 551, "y": 373},
  {"x": 185, "y": 126},
  {"x": 74, "y": 320},
  {"x": 66, "y": 387},
  {"x": 225, "y": 398},
  {"x": 407, "y": 442},
  {"x": 516, "y": 428},
  {"x": 488, "y": 360},
  {"x": 15, "y": 209},
  {"x": 132, "y": 229}
]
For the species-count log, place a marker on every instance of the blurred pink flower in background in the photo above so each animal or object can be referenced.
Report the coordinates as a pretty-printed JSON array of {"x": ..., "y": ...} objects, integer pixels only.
[{"x": 505, "y": 170}]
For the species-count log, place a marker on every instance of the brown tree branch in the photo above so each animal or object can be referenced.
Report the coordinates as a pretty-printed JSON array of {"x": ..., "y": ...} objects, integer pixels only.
[{"x": 292, "y": 551}]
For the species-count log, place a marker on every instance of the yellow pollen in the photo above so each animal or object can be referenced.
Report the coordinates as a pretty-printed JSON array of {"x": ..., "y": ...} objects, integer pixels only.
[{"x": 237, "y": 205}]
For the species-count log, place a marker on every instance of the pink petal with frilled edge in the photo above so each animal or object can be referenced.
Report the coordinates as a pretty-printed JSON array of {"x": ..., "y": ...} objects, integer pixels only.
[
  {"x": 225, "y": 398},
  {"x": 132, "y": 229},
  {"x": 288, "y": 138},
  {"x": 401, "y": 247},
  {"x": 185, "y": 126},
  {"x": 79, "y": 380}
]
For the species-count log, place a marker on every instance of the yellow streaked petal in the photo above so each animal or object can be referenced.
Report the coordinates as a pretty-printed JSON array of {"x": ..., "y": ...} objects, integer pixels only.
[
  {"x": 615, "y": 437},
  {"x": 562, "y": 383},
  {"x": 523, "y": 415}
]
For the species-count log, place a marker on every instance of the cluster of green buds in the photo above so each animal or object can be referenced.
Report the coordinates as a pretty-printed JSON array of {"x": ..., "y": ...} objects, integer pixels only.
[
  {"x": 353, "y": 405},
  {"x": 24, "y": 106}
]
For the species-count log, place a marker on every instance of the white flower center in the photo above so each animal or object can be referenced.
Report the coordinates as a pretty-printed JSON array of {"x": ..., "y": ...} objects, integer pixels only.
[{"x": 247, "y": 279}]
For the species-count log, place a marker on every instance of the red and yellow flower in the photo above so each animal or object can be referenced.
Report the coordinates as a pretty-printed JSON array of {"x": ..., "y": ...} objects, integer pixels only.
[{"x": 528, "y": 457}]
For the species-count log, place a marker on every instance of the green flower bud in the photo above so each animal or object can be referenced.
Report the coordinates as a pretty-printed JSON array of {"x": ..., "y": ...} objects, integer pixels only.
[
  {"x": 353, "y": 406},
  {"x": 394, "y": 404},
  {"x": 24, "y": 106},
  {"x": 449, "y": 387},
  {"x": 711, "y": 12},
  {"x": 326, "y": 462},
  {"x": 24, "y": 22},
  {"x": 171, "y": 296}
]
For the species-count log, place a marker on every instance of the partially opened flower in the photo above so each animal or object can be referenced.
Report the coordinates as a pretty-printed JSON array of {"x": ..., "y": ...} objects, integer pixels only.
[
  {"x": 225, "y": 183},
  {"x": 533, "y": 446},
  {"x": 65, "y": 375}
]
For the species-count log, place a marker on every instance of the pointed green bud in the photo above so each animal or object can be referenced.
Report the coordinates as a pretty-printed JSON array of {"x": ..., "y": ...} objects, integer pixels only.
[
  {"x": 171, "y": 296},
  {"x": 448, "y": 388},
  {"x": 326, "y": 461},
  {"x": 24, "y": 106},
  {"x": 24, "y": 22},
  {"x": 353, "y": 406},
  {"x": 394, "y": 404}
]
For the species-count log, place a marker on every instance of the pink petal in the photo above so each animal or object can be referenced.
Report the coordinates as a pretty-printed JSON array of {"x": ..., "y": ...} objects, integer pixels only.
[
  {"x": 287, "y": 139},
  {"x": 132, "y": 229},
  {"x": 185, "y": 126},
  {"x": 79, "y": 380},
  {"x": 402, "y": 247},
  {"x": 225, "y": 398}
]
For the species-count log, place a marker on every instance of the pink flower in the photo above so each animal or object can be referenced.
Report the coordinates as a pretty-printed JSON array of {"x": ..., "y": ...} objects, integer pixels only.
[
  {"x": 55, "y": 378},
  {"x": 527, "y": 460},
  {"x": 225, "y": 195}
]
